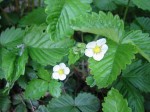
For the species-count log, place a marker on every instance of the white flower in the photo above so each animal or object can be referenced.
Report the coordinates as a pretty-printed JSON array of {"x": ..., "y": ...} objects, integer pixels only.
[
  {"x": 96, "y": 49},
  {"x": 60, "y": 71}
]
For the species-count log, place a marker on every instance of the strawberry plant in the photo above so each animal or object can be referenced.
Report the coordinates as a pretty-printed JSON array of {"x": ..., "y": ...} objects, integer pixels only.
[{"x": 74, "y": 55}]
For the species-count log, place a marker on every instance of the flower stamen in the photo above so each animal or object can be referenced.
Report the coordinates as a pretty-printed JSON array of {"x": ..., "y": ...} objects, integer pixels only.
[
  {"x": 60, "y": 71},
  {"x": 97, "y": 49}
]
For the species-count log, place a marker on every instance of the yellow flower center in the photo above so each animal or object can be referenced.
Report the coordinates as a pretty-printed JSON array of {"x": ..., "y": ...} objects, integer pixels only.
[
  {"x": 61, "y": 71},
  {"x": 97, "y": 49}
]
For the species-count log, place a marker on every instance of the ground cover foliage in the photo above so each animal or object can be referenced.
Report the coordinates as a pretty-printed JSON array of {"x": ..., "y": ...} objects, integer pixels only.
[{"x": 74, "y": 56}]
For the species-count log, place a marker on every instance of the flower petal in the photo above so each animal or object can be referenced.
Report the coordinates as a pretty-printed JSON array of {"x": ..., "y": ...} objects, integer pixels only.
[
  {"x": 101, "y": 41},
  {"x": 98, "y": 57},
  {"x": 104, "y": 48},
  {"x": 55, "y": 75},
  {"x": 56, "y": 68},
  {"x": 89, "y": 52},
  {"x": 62, "y": 65},
  {"x": 91, "y": 44},
  {"x": 66, "y": 70},
  {"x": 62, "y": 77}
]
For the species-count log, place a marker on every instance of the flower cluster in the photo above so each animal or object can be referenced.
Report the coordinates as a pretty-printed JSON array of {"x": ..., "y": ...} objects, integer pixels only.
[{"x": 95, "y": 49}]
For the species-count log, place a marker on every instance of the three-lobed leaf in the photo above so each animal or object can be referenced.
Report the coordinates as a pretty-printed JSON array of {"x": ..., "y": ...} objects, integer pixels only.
[
  {"x": 84, "y": 102},
  {"x": 114, "y": 102}
]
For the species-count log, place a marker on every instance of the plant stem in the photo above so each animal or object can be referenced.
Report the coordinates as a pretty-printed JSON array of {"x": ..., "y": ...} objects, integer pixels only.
[{"x": 125, "y": 13}]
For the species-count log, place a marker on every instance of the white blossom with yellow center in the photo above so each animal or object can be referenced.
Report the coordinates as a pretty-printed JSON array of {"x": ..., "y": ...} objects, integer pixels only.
[
  {"x": 96, "y": 49},
  {"x": 60, "y": 71}
]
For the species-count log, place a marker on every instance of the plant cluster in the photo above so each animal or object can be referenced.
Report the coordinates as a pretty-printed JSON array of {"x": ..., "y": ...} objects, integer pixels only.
[{"x": 75, "y": 56}]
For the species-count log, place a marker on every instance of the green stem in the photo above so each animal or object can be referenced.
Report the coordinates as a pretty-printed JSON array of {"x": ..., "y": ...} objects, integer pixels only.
[{"x": 125, "y": 13}]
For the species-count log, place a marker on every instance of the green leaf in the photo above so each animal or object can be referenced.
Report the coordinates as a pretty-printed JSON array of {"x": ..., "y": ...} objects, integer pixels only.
[
  {"x": 87, "y": 102},
  {"x": 42, "y": 108},
  {"x": 90, "y": 81},
  {"x": 7, "y": 65},
  {"x": 20, "y": 65},
  {"x": 141, "y": 23},
  {"x": 37, "y": 16},
  {"x": 60, "y": 12},
  {"x": 11, "y": 37},
  {"x": 134, "y": 97},
  {"x": 76, "y": 53},
  {"x": 73, "y": 57},
  {"x": 21, "y": 108},
  {"x": 138, "y": 74},
  {"x": 98, "y": 24},
  {"x": 44, "y": 51},
  {"x": 13, "y": 66},
  {"x": 143, "y": 4},
  {"x": 105, "y": 4},
  {"x": 123, "y": 2},
  {"x": 5, "y": 103},
  {"x": 22, "y": 82},
  {"x": 141, "y": 41},
  {"x": 86, "y": 1},
  {"x": 84, "y": 102},
  {"x": 116, "y": 59},
  {"x": 63, "y": 104},
  {"x": 36, "y": 89},
  {"x": 114, "y": 102},
  {"x": 55, "y": 88},
  {"x": 44, "y": 74},
  {"x": 17, "y": 99}
]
